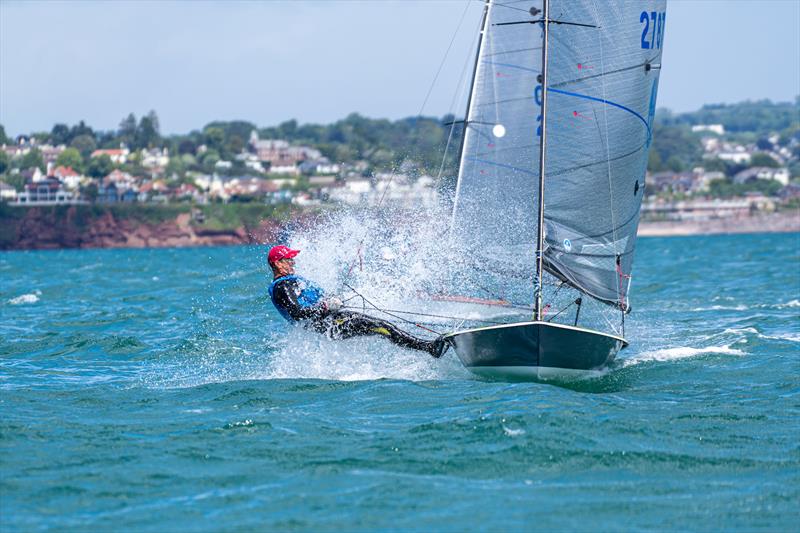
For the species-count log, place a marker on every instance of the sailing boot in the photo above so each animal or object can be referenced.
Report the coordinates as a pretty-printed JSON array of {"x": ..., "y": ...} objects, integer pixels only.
[{"x": 438, "y": 347}]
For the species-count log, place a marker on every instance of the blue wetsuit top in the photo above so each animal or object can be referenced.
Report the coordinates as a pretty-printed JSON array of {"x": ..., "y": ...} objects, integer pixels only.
[{"x": 297, "y": 298}]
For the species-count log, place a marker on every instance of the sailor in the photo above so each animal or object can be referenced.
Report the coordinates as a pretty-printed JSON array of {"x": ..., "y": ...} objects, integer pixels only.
[{"x": 299, "y": 300}]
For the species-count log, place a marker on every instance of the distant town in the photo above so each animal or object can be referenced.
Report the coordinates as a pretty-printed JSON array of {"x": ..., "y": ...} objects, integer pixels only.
[{"x": 696, "y": 170}]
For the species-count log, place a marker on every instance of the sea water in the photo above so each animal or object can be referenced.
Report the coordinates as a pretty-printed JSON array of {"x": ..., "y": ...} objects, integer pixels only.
[{"x": 159, "y": 390}]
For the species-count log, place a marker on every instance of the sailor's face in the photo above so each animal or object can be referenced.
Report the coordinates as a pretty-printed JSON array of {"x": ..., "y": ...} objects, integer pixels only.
[{"x": 285, "y": 266}]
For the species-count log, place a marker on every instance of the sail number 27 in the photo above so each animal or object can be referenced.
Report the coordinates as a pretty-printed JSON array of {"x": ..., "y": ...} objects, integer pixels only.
[{"x": 656, "y": 34}]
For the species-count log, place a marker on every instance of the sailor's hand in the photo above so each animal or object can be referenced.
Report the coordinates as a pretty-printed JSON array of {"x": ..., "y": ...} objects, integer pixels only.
[{"x": 333, "y": 304}]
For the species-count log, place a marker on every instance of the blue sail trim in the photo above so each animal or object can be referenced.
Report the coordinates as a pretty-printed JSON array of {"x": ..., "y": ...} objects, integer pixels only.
[
  {"x": 609, "y": 102},
  {"x": 494, "y": 163}
]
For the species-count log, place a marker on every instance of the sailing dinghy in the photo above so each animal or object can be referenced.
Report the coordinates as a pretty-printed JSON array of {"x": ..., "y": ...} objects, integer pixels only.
[{"x": 551, "y": 177}]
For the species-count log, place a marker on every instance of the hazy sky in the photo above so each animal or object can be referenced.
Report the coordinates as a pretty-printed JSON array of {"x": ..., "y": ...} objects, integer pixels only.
[{"x": 317, "y": 61}]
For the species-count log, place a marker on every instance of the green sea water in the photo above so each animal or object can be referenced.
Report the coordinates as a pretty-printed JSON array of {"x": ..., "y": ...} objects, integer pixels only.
[{"x": 158, "y": 390}]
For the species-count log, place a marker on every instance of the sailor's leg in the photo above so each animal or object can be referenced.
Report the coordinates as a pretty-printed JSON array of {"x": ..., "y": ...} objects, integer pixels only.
[{"x": 355, "y": 324}]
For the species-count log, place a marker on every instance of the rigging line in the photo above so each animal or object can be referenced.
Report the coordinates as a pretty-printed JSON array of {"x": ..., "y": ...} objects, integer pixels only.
[
  {"x": 551, "y": 21},
  {"x": 502, "y": 165},
  {"x": 601, "y": 74},
  {"x": 562, "y": 310},
  {"x": 482, "y": 37},
  {"x": 604, "y": 140},
  {"x": 419, "y": 115},
  {"x": 593, "y": 163},
  {"x": 498, "y": 4},
  {"x": 457, "y": 95},
  {"x": 603, "y": 100},
  {"x": 510, "y": 65},
  {"x": 514, "y": 51},
  {"x": 505, "y": 101},
  {"x": 389, "y": 311}
]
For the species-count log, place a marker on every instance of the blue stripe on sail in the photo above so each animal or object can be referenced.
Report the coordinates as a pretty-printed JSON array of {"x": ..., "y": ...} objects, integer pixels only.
[
  {"x": 496, "y": 164},
  {"x": 509, "y": 65},
  {"x": 609, "y": 102}
]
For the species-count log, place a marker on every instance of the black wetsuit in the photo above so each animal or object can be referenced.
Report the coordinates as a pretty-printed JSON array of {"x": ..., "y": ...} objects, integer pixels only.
[{"x": 299, "y": 300}]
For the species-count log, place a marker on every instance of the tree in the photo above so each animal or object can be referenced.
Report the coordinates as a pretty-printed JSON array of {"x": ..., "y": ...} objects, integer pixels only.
[
  {"x": 90, "y": 192},
  {"x": 235, "y": 145},
  {"x": 4, "y": 161},
  {"x": 33, "y": 159},
  {"x": 81, "y": 129},
  {"x": 127, "y": 129},
  {"x": 16, "y": 180},
  {"x": 209, "y": 160},
  {"x": 70, "y": 157},
  {"x": 214, "y": 138},
  {"x": 100, "y": 166},
  {"x": 60, "y": 134},
  {"x": 84, "y": 144},
  {"x": 760, "y": 159},
  {"x": 187, "y": 147},
  {"x": 147, "y": 134},
  {"x": 3, "y": 138}
]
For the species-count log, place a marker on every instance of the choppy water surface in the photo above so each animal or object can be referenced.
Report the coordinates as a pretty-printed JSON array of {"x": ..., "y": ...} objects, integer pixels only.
[{"x": 158, "y": 389}]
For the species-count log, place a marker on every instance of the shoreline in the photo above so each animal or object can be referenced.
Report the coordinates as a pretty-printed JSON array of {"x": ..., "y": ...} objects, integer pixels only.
[
  {"x": 71, "y": 228},
  {"x": 782, "y": 222}
]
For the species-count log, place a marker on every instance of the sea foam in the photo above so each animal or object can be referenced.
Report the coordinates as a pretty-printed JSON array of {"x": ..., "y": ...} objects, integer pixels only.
[{"x": 30, "y": 298}]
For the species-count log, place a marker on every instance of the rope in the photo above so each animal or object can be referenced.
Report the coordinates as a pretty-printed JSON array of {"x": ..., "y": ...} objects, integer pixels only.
[
  {"x": 414, "y": 313},
  {"x": 416, "y": 139},
  {"x": 389, "y": 313}
]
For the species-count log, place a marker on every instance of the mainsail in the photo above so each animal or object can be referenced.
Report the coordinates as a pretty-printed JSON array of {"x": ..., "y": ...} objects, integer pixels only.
[{"x": 603, "y": 63}]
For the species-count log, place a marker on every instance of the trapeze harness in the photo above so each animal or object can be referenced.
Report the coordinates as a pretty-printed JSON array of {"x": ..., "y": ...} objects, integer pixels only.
[{"x": 299, "y": 300}]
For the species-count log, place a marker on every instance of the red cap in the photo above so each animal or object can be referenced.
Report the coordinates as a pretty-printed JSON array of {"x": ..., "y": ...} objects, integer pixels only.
[{"x": 277, "y": 253}]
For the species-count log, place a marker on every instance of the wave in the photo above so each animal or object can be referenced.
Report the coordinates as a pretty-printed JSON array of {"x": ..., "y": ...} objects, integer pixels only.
[
  {"x": 30, "y": 298},
  {"x": 680, "y": 352},
  {"x": 794, "y": 337},
  {"x": 739, "y": 307},
  {"x": 304, "y": 354}
]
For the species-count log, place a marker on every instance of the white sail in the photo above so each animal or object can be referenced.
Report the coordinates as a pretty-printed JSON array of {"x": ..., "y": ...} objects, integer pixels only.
[{"x": 604, "y": 59}]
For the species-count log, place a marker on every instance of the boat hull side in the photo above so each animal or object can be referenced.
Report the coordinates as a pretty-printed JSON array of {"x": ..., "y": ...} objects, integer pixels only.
[{"x": 534, "y": 345}]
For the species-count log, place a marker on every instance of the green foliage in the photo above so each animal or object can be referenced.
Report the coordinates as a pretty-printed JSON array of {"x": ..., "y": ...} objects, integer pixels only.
[
  {"x": 32, "y": 159},
  {"x": 3, "y": 138},
  {"x": 90, "y": 192},
  {"x": 60, "y": 134},
  {"x": 4, "y": 161},
  {"x": 100, "y": 166},
  {"x": 127, "y": 130},
  {"x": 147, "y": 133},
  {"x": 16, "y": 181},
  {"x": 725, "y": 188},
  {"x": 85, "y": 144},
  {"x": 760, "y": 117},
  {"x": 760, "y": 159},
  {"x": 230, "y": 216},
  {"x": 676, "y": 146},
  {"x": 70, "y": 157}
]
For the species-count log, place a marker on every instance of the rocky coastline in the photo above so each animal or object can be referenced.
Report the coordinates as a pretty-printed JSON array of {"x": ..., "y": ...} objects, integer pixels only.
[
  {"x": 42, "y": 229},
  {"x": 47, "y": 229}
]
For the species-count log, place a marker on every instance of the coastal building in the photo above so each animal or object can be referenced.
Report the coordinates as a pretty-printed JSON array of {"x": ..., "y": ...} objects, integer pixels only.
[
  {"x": 319, "y": 166},
  {"x": 718, "y": 129},
  {"x": 781, "y": 175},
  {"x": 118, "y": 156},
  {"x": 7, "y": 192},
  {"x": 49, "y": 191},
  {"x": 280, "y": 157},
  {"x": 154, "y": 157},
  {"x": 68, "y": 176}
]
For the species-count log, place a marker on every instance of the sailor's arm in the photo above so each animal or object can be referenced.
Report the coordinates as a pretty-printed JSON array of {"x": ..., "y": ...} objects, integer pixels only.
[{"x": 285, "y": 295}]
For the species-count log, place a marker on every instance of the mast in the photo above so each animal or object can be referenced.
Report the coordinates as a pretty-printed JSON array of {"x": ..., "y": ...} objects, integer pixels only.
[
  {"x": 469, "y": 105},
  {"x": 542, "y": 143}
]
